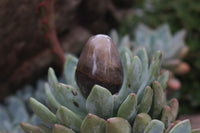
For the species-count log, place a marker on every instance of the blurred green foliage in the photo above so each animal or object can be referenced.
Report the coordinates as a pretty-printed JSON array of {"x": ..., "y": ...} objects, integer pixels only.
[{"x": 178, "y": 14}]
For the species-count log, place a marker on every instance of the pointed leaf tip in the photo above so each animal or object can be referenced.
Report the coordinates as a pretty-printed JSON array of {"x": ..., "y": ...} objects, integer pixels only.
[
  {"x": 159, "y": 99},
  {"x": 93, "y": 124},
  {"x": 42, "y": 112},
  {"x": 100, "y": 102},
  {"x": 29, "y": 128},
  {"x": 146, "y": 102},
  {"x": 127, "y": 109},
  {"x": 118, "y": 125},
  {"x": 57, "y": 128},
  {"x": 141, "y": 122},
  {"x": 68, "y": 118}
]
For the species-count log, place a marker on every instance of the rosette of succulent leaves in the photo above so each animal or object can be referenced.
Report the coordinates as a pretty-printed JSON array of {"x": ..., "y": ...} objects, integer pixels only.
[
  {"x": 139, "y": 107},
  {"x": 16, "y": 108},
  {"x": 173, "y": 48}
]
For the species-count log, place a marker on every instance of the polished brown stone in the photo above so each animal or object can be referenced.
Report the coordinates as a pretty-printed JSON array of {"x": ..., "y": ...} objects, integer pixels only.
[{"x": 99, "y": 63}]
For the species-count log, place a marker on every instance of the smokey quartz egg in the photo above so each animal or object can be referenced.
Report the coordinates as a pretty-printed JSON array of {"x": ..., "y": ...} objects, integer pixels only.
[{"x": 99, "y": 63}]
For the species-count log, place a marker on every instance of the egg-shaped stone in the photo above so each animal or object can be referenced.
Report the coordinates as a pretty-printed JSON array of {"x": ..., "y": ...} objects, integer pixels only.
[{"x": 99, "y": 63}]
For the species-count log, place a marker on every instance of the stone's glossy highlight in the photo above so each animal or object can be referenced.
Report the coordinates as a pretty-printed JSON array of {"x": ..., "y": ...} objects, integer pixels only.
[{"x": 99, "y": 63}]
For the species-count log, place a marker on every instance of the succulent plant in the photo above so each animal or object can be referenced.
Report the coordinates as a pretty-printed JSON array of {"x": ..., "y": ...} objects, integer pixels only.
[
  {"x": 15, "y": 108},
  {"x": 140, "y": 106},
  {"x": 173, "y": 48}
]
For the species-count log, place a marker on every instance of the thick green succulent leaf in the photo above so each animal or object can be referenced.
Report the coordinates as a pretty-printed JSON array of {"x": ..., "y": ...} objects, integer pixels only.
[
  {"x": 69, "y": 118},
  {"x": 196, "y": 131},
  {"x": 153, "y": 72},
  {"x": 155, "y": 126},
  {"x": 127, "y": 110},
  {"x": 63, "y": 93},
  {"x": 118, "y": 125},
  {"x": 61, "y": 129},
  {"x": 52, "y": 79},
  {"x": 167, "y": 117},
  {"x": 124, "y": 91},
  {"x": 146, "y": 102},
  {"x": 159, "y": 99},
  {"x": 154, "y": 68},
  {"x": 173, "y": 103},
  {"x": 135, "y": 74},
  {"x": 93, "y": 124},
  {"x": 100, "y": 102},
  {"x": 70, "y": 97},
  {"x": 142, "y": 54},
  {"x": 162, "y": 79},
  {"x": 42, "y": 112},
  {"x": 141, "y": 122},
  {"x": 181, "y": 127},
  {"x": 127, "y": 64},
  {"x": 69, "y": 70},
  {"x": 50, "y": 97},
  {"x": 28, "y": 128}
]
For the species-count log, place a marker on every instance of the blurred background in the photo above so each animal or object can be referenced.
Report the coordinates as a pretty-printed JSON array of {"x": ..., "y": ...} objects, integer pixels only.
[{"x": 25, "y": 56}]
